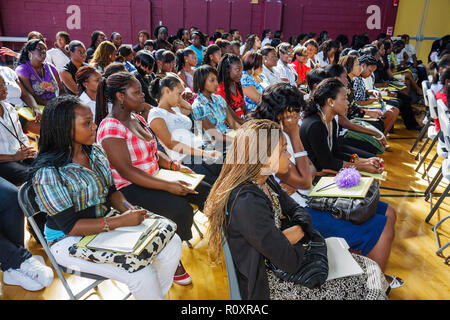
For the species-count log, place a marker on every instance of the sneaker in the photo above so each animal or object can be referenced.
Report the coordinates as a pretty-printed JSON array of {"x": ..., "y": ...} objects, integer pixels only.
[
  {"x": 35, "y": 268},
  {"x": 183, "y": 279},
  {"x": 16, "y": 278}
]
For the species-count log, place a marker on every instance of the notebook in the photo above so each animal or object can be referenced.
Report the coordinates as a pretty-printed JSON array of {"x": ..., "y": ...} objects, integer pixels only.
[
  {"x": 130, "y": 239},
  {"x": 340, "y": 261},
  {"x": 27, "y": 112},
  {"x": 374, "y": 105},
  {"x": 366, "y": 118},
  {"x": 193, "y": 179},
  {"x": 333, "y": 190},
  {"x": 379, "y": 176}
]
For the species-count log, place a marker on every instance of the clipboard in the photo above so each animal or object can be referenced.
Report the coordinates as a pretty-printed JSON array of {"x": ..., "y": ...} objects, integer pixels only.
[
  {"x": 359, "y": 191},
  {"x": 193, "y": 179}
]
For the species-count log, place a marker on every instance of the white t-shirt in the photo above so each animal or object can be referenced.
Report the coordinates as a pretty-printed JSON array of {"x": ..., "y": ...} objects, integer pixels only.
[
  {"x": 87, "y": 100},
  {"x": 287, "y": 72},
  {"x": 179, "y": 127},
  {"x": 57, "y": 58},
  {"x": 271, "y": 76},
  {"x": 14, "y": 91},
  {"x": 323, "y": 61}
]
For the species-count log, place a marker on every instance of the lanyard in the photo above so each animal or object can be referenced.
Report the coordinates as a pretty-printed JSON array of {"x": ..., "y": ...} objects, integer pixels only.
[{"x": 15, "y": 134}]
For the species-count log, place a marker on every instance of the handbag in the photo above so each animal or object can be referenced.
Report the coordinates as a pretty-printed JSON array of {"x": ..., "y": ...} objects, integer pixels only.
[
  {"x": 313, "y": 270},
  {"x": 127, "y": 261},
  {"x": 355, "y": 210}
]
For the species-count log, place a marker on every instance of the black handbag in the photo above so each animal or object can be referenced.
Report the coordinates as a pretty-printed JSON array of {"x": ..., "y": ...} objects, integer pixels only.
[
  {"x": 313, "y": 270},
  {"x": 355, "y": 210}
]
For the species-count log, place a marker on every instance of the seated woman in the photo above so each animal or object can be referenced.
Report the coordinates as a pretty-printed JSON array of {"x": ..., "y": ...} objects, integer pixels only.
[
  {"x": 174, "y": 129},
  {"x": 256, "y": 235},
  {"x": 374, "y": 237},
  {"x": 19, "y": 266},
  {"x": 312, "y": 47},
  {"x": 356, "y": 85},
  {"x": 299, "y": 64},
  {"x": 39, "y": 78},
  {"x": 318, "y": 130},
  {"x": 212, "y": 55},
  {"x": 210, "y": 108},
  {"x": 75, "y": 187},
  {"x": 252, "y": 44},
  {"x": 104, "y": 55},
  {"x": 59, "y": 55},
  {"x": 230, "y": 89},
  {"x": 196, "y": 40},
  {"x": 19, "y": 97},
  {"x": 15, "y": 153},
  {"x": 270, "y": 60},
  {"x": 161, "y": 34},
  {"x": 284, "y": 68},
  {"x": 185, "y": 63},
  {"x": 131, "y": 147},
  {"x": 327, "y": 53},
  {"x": 142, "y": 36},
  {"x": 145, "y": 63},
  {"x": 252, "y": 81},
  {"x": 67, "y": 74},
  {"x": 167, "y": 63},
  {"x": 126, "y": 55},
  {"x": 88, "y": 78}
]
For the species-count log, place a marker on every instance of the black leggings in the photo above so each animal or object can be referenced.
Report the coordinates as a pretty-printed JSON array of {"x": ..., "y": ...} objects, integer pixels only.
[
  {"x": 176, "y": 208},
  {"x": 15, "y": 172}
]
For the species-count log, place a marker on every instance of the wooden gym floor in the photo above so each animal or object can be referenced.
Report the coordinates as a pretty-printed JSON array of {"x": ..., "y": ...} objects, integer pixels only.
[{"x": 412, "y": 258}]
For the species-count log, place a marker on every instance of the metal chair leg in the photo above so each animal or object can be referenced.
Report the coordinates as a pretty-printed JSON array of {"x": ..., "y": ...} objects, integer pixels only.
[
  {"x": 421, "y": 135},
  {"x": 198, "y": 230},
  {"x": 426, "y": 153},
  {"x": 433, "y": 185},
  {"x": 438, "y": 203},
  {"x": 430, "y": 165},
  {"x": 421, "y": 149}
]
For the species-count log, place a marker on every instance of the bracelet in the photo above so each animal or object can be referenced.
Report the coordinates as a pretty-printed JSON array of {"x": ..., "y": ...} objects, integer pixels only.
[
  {"x": 353, "y": 158},
  {"x": 300, "y": 154},
  {"x": 105, "y": 225},
  {"x": 379, "y": 139}
]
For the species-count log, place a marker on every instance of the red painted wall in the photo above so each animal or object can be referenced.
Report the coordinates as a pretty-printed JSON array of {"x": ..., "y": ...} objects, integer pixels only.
[{"x": 18, "y": 17}]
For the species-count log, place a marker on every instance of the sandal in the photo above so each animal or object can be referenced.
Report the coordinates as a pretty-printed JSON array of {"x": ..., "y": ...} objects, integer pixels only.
[{"x": 396, "y": 282}]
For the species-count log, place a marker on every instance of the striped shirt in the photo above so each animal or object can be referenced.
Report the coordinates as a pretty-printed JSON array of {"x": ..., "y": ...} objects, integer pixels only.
[
  {"x": 73, "y": 185},
  {"x": 143, "y": 154},
  {"x": 359, "y": 89}
]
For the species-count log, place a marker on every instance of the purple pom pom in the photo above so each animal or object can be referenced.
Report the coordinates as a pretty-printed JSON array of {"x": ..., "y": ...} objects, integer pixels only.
[{"x": 348, "y": 177}]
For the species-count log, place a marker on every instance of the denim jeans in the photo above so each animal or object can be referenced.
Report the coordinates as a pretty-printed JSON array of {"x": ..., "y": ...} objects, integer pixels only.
[{"x": 12, "y": 251}]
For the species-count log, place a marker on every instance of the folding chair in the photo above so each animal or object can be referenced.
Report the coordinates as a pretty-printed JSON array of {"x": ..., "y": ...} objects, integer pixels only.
[
  {"x": 432, "y": 133},
  {"x": 30, "y": 209},
  {"x": 444, "y": 122},
  {"x": 233, "y": 283},
  {"x": 427, "y": 121},
  {"x": 195, "y": 225}
]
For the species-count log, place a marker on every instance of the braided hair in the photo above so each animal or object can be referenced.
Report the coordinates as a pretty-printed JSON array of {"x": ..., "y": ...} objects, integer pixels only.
[
  {"x": 223, "y": 70},
  {"x": 83, "y": 75}
]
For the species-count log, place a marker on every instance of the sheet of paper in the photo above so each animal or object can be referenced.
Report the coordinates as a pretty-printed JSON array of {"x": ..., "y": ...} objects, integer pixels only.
[
  {"x": 168, "y": 175},
  {"x": 340, "y": 261}
]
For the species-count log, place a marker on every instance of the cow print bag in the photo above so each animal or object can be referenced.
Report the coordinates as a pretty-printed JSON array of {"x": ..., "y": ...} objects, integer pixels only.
[{"x": 126, "y": 261}]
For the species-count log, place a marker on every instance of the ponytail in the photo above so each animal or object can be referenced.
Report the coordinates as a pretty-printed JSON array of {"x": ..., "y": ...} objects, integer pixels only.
[{"x": 171, "y": 80}]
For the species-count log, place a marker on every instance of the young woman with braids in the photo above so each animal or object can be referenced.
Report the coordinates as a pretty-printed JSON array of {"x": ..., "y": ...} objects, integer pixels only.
[
  {"x": 282, "y": 103},
  {"x": 262, "y": 222},
  {"x": 74, "y": 186},
  {"x": 230, "y": 71},
  {"x": 212, "y": 55},
  {"x": 131, "y": 147}
]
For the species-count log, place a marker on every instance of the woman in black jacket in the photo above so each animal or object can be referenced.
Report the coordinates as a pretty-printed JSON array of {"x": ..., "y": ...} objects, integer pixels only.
[{"x": 262, "y": 222}]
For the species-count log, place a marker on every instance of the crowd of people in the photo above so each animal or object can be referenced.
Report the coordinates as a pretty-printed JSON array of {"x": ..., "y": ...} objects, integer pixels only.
[{"x": 107, "y": 117}]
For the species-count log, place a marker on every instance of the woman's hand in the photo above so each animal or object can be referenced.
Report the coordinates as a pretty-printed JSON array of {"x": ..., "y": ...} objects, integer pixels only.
[
  {"x": 294, "y": 234},
  {"x": 185, "y": 169},
  {"x": 213, "y": 154},
  {"x": 37, "y": 114},
  {"x": 180, "y": 188},
  {"x": 289, "y": 190},
  {"x": 374, "y": 113},
  {"x": 325, "y": 172},
  {"x": 289, "y": 122},
  {"x": 132, "y": 217},
  {"x": 8, "y": 52},
  {"x": 24, "y": 153}
]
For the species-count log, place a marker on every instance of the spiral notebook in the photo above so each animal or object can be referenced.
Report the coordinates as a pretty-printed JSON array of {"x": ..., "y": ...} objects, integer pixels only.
[{"x": 332, "y": 190}]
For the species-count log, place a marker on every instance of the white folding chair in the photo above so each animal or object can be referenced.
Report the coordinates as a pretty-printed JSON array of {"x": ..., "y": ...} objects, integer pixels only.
[
  {"x": 30, "y": 209},
  {"x": 432, "y": 134},
  {"x": 427, "y": 121}
]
